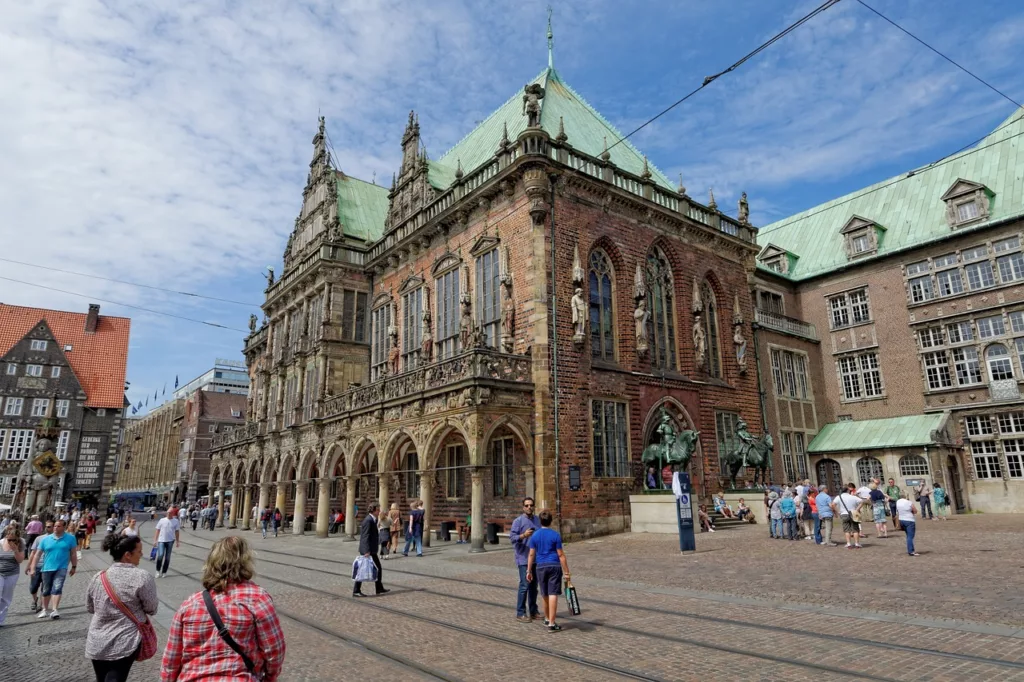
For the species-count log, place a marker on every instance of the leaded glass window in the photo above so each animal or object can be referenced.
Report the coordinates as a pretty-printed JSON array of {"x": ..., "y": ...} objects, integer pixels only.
[
  {"x": 660, "y": 305},
  {"x": 602, "y": 322}
]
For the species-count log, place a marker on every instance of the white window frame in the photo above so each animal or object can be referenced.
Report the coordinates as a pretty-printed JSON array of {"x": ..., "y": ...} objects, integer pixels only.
[
  {"x": 55, "y": 372},
  {"x": 977, "y": 425},
  {"x": 62, "y": 445},
  {"x": 1000, "y": 366},
  {"x": 19, "y": 444},
  {"x": 13, "y": 407},
  {"x": 37, "y": 344},
  {"x": 937, "y": 374},
  {"x": 33, "y": 370},
  {"x": 914, "y": 465},
  {"x": 455, "y": 459},
  {"x": 980, "y": 275},
  {"x": 39, "y": 407},
  {"x": 950, "y": 282},
  {"x": 959, "y": 332},
  {"x": 930, "y": 337},
  {"x": 986, "y": 460},
  {"x": 921, "y": 289},
  {"x": 967, "y": 366},
  {"x": 12, "y": 368},
  {"x": 849, "y": 308},
  {"x": 860, "y": 376},
  {"x": 990, "y": 327}
]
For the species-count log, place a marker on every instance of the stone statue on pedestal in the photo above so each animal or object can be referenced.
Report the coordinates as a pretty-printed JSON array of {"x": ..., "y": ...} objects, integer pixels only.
[{"x": 579, "y": 317}]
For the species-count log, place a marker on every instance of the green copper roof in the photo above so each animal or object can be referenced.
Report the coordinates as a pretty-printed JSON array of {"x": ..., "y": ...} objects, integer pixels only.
[
  {"x": 873, "y": 434},
  {"x": 911, "y": 209},
  {"x": 587, "y": 131},
  {"x": 362, "y": 207}
]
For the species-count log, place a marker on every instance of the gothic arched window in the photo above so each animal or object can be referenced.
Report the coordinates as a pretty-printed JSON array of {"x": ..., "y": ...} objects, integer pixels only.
[
  {"x": 602, "y": 321},
  {"x": 714, "y": 357},
  {"x": 659, "y": 303}
]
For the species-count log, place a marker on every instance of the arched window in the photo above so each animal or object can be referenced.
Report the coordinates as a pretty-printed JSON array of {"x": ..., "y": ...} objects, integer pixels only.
[
  {"x": 602, "y": 323},
  {"x": 660, "y": 305},
  {"x": 999, "y": 365},
  {"x": 710, "y": 321},
  {"x": 913, "y": 465},
  {"x": 868, "y": 468}
]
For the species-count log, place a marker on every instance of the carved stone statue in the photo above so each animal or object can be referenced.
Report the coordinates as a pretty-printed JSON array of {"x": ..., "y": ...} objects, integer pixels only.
[
  {"x": 744, "y": 210},
  {"x": 741, "y": 348},
  {"x": 641, "y": 316},
  {"x": 579, "y": 316},
  {"x": 252, "y": 323},
  {"x": 508, "y": 321},
  {"x": 393, "y": 352},
  {"x": 427, "y": 344},
  {"x": 532, "y": 95},
  {"x": 270, "y": 276},
  {"x": 700, "y": 341},
  {"x": 288, "y": 246},
  {"x": 466, "y": 324}
]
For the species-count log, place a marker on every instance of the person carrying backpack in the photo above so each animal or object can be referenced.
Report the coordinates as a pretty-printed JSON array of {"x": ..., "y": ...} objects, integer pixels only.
[
  {"x": 788, "y": 509},
  {"x": 278, "y": 518},
  {"x": 194, "y": 518},
  {"x": 265, "y": 520}
]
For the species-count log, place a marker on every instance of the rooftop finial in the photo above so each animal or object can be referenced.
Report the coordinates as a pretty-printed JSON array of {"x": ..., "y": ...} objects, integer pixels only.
[
  {"x": 682, "y": 188},
  {"x": 551, "y": 42},
  {"x": 605, "y": 155},
  {"x": 711, "y": 203},
  {"x": 646, "y": 173}
]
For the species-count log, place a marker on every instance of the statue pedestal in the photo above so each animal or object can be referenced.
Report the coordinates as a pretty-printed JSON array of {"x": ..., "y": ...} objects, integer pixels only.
[
  {"x": 754, "y": 498},
  {"x": 655, "y": 513}
]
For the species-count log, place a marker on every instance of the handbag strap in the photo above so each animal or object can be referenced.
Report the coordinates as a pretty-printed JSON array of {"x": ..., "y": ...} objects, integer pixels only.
[
  {"x": 223, "y": 631},
  {"x": 117, "y": 601}
]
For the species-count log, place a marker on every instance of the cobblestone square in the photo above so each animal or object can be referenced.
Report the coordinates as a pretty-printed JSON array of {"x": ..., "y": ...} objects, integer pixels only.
[{"x": 741, "y": 607}]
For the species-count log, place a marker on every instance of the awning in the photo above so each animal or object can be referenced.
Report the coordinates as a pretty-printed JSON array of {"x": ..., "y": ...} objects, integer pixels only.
[{"x": 875, "y": 434}]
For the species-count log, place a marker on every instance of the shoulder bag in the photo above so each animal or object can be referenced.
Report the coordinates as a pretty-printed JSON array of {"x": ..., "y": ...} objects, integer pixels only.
[
  {"x": 147, "y": 649},
  {"x": 211, "y": 608},
  {"x": 855, "y": 514}
]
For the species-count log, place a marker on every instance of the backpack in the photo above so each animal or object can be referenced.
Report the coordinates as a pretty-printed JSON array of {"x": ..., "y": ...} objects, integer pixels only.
[{"x": 277, "y": 517}]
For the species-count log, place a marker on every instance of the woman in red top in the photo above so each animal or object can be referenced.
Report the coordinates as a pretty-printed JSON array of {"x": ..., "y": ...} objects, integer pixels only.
[
  {"x": 90, "y": 528},
  {"x": 195, "y": 651}
]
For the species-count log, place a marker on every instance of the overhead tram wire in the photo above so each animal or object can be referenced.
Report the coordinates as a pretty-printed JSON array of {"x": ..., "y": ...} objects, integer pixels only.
[
  {"x": 711, "y": 79},
  {"x": 134, "y": 284},
  {"x": 126, "y": 305},
  {"x": 948, "y": 158}
]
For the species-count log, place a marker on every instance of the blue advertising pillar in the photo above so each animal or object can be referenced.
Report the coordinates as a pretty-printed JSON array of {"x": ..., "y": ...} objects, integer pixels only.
[{"x": 684, "y": 512}]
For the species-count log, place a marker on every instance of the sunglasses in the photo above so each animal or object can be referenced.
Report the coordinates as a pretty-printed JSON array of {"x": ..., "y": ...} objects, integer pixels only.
[{"x": 527, "y": 505}]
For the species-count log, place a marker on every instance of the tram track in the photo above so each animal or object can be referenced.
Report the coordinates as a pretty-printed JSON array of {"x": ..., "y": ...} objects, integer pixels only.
[
  {"x": 632, "y": 674},
  {"x": 718, "y": 620}
]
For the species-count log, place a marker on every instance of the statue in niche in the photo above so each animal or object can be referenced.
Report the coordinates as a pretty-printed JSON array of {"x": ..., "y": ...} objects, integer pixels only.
[
  {"x": 641, "y": 316},
  {"x": 427, "y": 344},
  {"x": 466, "y": 324},
  {"x": 508, "y": 320},
  {"x": 532, "y": 95},
  {"x": 741, "y": 347},
  {"x": 393, "y": 352},
  {"x": 579, "y": 316},
  {"x": 252, "y": 323},
  {"x": 700, "y": 341}
]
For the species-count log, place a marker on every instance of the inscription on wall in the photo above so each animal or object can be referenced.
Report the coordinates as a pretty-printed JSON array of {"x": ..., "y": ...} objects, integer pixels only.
[{"x": 90, "y": 463}]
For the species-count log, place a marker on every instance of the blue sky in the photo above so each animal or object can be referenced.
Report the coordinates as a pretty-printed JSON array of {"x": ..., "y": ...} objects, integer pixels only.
[{"x": 167, "y": 143}]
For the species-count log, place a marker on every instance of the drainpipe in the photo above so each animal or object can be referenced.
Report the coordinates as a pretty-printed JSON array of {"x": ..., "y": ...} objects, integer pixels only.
[
  {"x": 554, "y": 359},
  {"x": 760, "y": 395}
]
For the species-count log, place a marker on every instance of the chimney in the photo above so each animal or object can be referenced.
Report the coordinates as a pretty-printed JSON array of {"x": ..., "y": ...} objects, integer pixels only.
[{"x": 92, "y": 318}]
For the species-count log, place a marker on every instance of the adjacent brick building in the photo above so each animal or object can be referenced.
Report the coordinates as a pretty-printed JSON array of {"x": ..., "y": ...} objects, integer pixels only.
[
  {"x": 77, "y": 362},
  {"x": 510, "y": 319},
  {"x": 905, "y": 303}
]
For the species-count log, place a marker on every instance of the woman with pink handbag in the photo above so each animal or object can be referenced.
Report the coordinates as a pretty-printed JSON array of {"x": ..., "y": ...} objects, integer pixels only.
[{"x": 120, "y": 599}]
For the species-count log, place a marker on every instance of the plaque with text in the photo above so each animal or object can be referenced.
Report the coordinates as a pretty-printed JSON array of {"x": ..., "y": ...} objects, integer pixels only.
[{"x": 89, "y": 467}]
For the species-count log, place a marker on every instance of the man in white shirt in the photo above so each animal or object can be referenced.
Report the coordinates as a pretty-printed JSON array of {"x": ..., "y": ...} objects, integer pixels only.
[
  {"x": 847, "y": 505},
  {"x": 167, "y": 536},
  {"x": 905, "y": 509}
]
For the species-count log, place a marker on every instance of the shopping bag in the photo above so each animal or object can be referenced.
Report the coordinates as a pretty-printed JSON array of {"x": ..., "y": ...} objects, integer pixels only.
[
  {"x": 152, "y": 554},
  {"x": 364, "y": 570},
  {"x": 572, "y": 598}
]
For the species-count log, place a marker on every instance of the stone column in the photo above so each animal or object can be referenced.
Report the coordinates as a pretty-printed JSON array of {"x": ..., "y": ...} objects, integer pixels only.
[
  {"x": 299, "y": 513},
  {"x": 323, "y": 508},
  {"x": 264, "y": 496},
  {"x": 235, "y": 495},
  {"x": 220, "y": 506},
  {"x": 279, "y": 500},
  {"x": 427, "y": 495},
  {"x": 528, "y": 477},
  {"x": 350, "y": 508},
  {"x": 247, "y": 524},
  {"x": 476, "y": 538},
  {"x": 383, "y": 491}
]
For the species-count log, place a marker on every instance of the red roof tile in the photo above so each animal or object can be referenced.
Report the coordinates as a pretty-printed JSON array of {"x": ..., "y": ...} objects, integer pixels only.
[{"x": 99, "y": 360}]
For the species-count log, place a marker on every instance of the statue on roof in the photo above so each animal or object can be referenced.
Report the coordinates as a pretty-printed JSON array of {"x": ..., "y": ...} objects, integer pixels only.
[
  {"x": 744, "y": 210},
  {"x": 532, "y": 95},
  {"x": 252, "y": 323},
  {"x": 270, "y": 276}
]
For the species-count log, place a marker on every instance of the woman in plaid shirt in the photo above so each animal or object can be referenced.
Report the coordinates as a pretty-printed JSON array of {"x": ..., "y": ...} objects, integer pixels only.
[{"x": 194, "y": 649}]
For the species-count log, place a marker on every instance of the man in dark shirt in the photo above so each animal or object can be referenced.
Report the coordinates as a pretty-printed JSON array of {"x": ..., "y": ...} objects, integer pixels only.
[
  {"x": 369, "y": 545},
  {"x": 522, "y": 528},
  {"x": 414, "y": 528}
]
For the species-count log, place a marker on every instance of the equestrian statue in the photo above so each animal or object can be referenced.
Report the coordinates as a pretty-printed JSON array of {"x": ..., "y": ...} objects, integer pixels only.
[
  {"x": 751, "y": 452},
  {"x": 673, "y": 450}
]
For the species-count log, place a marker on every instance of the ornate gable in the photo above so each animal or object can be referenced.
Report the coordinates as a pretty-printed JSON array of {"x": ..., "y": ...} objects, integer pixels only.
[
  {"x": 776, "y": 258},
  {"x": 967, "y": 202},
  {"x": 445, "y": 262},
  {"x": 411, "y": 282},
  {"x": 484, "y": 244}
]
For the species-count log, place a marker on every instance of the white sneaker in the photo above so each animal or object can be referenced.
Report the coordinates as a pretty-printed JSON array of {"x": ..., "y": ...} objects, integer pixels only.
[
  {"x": 42, "y": 614},
  {"x": 164, "y": 574},
  {"x": 159, "y": 575},
  {"x": 54, "y": 615},
  {"x": 711, "y": 530}
]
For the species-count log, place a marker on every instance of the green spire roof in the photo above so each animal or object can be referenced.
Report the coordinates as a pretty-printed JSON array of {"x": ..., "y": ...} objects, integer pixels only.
[
  {"x": 587, "y": 131},
  {"x": 909, "y": 207},
  {"x": 362, "y": 208}
]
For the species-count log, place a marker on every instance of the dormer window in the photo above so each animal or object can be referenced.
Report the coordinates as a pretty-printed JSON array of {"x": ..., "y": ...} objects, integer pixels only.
[
  {"x": 774, "y": 264},
  {"x": 966, "y": 203},
  {"x": 862, "y": 237},
  {"x": 776, "y": 259}
]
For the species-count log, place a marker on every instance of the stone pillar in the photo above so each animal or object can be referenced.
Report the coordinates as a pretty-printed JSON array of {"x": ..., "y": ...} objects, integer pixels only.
[
  {"x": 476, "y": 538},
  {"x": 323, "y": 508},
  {"x": 235, "y": 495},
  {"x": 279, "y": 500},
  {"x": 427, "y": 495},
  {"x": 264, "y": 496},
  {"x": 247, "y": 523},
  {"x": 220, "y": 506},
  {"x": 299, "y": 518},
  {"x": 350, "y": 508},
  {"x": 383, "y": 491}
]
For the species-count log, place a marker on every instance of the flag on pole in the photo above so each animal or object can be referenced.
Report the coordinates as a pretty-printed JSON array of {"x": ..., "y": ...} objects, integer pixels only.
[
  {"x": 134, "y": 411},
  {"x": 147, "y": 401},
  {"x": 175, "y": 381},
  {"x": 155, "y": 396},
  {"x": 165, "y": 389}
]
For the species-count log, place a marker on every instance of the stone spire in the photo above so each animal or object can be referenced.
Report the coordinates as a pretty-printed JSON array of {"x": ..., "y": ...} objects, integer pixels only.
[
  {"x": 321, "y": 159},
  {"x": 410, "y": 144},
  {"x": 712, "y": 204},
  {"x": 561, "y": 137},
  {"x": 551, "y": 42},
  {"x": 646, "y": 173}
]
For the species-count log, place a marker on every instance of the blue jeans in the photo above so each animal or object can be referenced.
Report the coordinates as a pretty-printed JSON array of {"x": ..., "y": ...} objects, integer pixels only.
[
  {"x": 413, "y": 539},
  {"x": 926, "y": 507},
  {"x": 527, "y": 594},
  {"x": 817, "y": 528},
  {"x": 776, "y": 528},
  {"x": 790, "y": 526},
  {"x": 163, "y": 555},
  {"x": 53, "y": 582},
  {"x": 264, "y": 530},
  {"x": 911, "y": 528}
]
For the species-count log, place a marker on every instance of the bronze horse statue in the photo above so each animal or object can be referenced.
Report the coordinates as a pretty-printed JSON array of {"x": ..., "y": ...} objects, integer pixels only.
[
  {"x": 674, "y": 450},
  {"x": 754, "y": 453}
]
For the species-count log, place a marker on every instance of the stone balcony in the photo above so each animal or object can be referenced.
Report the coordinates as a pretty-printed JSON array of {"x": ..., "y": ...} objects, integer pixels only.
[{"x": 786, "y": 325}]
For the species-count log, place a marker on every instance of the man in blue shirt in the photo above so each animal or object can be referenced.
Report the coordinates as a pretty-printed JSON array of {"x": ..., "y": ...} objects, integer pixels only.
[
  {"x": 825, "y": 515},
  {"x": 57, "y": 550},
  {"x": 522, "y": 528},
  {"x": 546, "y": 553}
]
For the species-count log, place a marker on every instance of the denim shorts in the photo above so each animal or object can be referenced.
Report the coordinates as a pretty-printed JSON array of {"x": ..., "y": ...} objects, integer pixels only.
[
  {"x": 53, "y": 582},
  {"x": 549, "y": 579}
]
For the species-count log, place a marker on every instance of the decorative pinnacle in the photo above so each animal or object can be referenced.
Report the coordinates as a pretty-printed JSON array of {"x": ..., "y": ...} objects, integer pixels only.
[
  {"x": 711, "y": 203},
  {"x": 681, "y": 188},
  {"x": 561, "y": 137},
  {"x": 551, "y": 42},
  {"x": 504, "y": 136},
  {"x": 458, "y": 170},
  {"x": 646, "y": 174},
  {"x": 605, "y": 155}
]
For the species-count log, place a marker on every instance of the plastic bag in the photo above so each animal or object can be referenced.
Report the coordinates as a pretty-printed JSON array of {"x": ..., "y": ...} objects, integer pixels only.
[{"x": 364, "y": 570}]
